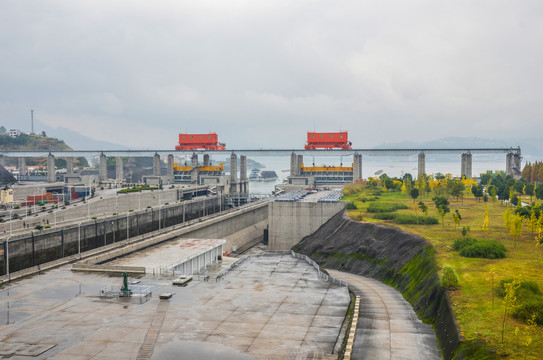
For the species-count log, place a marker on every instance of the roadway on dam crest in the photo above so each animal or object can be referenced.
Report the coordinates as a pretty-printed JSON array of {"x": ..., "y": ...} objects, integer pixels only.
[{"x": 387, "y": 328}]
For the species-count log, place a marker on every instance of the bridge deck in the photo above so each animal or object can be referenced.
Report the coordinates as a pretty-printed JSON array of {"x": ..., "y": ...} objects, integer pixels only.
[{"x": 265, "y": 152}]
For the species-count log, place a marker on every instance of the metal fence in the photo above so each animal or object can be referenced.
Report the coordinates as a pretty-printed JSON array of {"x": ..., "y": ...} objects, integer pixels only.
[{"x": 321, "y": 275}]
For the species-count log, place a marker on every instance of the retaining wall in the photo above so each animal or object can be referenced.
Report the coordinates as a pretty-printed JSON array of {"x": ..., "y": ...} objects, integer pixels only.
[{"x": 41, "y": 247}]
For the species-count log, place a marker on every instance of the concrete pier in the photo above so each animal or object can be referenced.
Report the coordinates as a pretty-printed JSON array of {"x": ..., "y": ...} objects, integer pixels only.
[
  {"x": 466, "y": 165},
  {"x": 299, "y": 163},
  {"x": 513, "y": 164},
  {"x": 194, "y": 171},
  {"x": 169, "y": 170},
  {"x": 421, "y": 165},
  {"x": 233, "y": 173},
  {"x": 243, "y": 174},
  {"x": 119, "y": 168},
  {"x": 2, "y": 160},
  {"x": 102, "y": 168},
  {"x": 22, "y": 166},
  {"x": 357, "y": 167},
  {"x": 69, "y": 166},
  {"x": 294, "y": 170},
  {"x": 206, "y": 159},
  {"x": 51, "y": 175},
  {"x": 156, "y": 165}
]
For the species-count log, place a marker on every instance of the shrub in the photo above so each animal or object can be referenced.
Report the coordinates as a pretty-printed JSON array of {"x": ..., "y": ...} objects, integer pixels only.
[
  {"x": 525, "y": 310},
  {"x": 527, "y": 289},
  {"x": 449, "y": 279},
  {"x": 459, "y": 244},
  {"x": 484, "y": 249},
  {"x": 39, "y": 227},
  {"x": 465, "y": 230},
  {"x": 385, "y": 207},
  {"x": 406, "y": 218},
  {"x": 384, "y": 216},
  {"x": 351, "y": 206},
  {"x": 413, "y": 219},
  {"x": 365, "y": 198}
]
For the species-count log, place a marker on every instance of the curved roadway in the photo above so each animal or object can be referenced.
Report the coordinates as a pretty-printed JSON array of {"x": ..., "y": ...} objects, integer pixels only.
[{"x": 388, "y": 328}]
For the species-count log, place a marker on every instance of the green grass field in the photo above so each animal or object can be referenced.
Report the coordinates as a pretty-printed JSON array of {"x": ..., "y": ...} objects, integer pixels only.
[{"x": 472, "y": 301}]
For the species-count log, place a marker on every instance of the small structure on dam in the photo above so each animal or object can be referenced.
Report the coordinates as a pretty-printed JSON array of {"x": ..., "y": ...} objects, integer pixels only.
[
  {"x": 294, "y": 215},
  {"x": 176, "y": 257}
]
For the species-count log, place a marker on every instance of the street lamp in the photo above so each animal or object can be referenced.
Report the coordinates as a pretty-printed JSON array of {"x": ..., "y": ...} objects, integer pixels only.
[
  {"x": 79, "y": 240},
  {"x": 127, "y": 227},
  {"x": 10, "y": 222},
  {"x": 7, "y": 255},
  {"x": 116, "y": 196}
]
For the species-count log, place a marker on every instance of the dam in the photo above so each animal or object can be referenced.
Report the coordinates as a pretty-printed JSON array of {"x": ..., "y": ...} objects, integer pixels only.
[{"x": 269, "y": 305}]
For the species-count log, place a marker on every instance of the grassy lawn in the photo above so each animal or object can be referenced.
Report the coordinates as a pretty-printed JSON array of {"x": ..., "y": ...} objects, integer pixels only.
[{"x": 472, "y": 301}]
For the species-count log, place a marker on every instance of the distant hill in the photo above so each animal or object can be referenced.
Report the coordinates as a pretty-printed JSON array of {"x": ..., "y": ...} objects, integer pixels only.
[
  {"x": 37, "y": 142},
  {"x": 77, "y": 140}
]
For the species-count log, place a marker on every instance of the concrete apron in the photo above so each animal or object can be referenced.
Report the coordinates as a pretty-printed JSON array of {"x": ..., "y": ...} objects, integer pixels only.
[{"x": 388, "y": 328}]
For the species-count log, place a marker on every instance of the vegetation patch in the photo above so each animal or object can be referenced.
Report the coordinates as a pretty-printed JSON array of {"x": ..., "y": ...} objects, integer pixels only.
[
  {"x": 385, "y": 207},
  {"x": 351, "y": 206},
  {"x": 529, "y": 308},
  {"x": 530, "y": 301},
  {"x": 136, "y": 189},
  {"x": 461, "y": 243},
  {"x": 484, "y": 249},
  {"x": 406, "y": 218}
]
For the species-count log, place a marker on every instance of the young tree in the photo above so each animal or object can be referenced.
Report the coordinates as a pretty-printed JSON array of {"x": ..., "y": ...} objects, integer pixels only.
[
  {"x": 389, "y": 184},
  {"x": 457, "y": 218},
  {"x": 509, "y": 300},
  {"x": 414, "y": 194},
  {"x": 527, "y": 333},
  {"x": 486, "y": 222},
  {"x": 492, "y": 193},
  {"x": 423, "y": 207},
  {"x": 516, "y": 228},
  {"x": 457, "y": 188},
  {"x": 492, "y": 277},
  {"x": 507, "y": 218},
  {"x": 477, "y": 191}
]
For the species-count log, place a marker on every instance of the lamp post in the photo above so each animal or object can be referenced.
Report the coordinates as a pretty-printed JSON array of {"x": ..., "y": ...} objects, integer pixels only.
[
  {"x": 79, "y": 240},
  {"x": 10, "y": 233},
  {"x": 127, "y": 227},
  {"x": 7, "y": 255},
  {"x": 139, "y": 201},
  {"x": 116, "y": 196}
]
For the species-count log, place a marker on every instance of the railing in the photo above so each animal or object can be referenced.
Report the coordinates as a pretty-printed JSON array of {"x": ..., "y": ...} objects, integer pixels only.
[
  {"x": 322, "y": 276},
  {"x": 231, "y": 267}
]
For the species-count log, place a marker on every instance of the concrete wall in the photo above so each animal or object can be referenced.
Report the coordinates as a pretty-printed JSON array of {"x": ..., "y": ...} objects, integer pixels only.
[
  {"x": 97, "y": 207},
  {"x": 238, "y": 226},
  {"x": 289, "y": 222},
  {"x": 43, "y": 246}
]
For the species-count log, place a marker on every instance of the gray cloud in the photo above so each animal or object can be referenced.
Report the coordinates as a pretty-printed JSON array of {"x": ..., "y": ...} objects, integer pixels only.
[{"x": 261, "y": 74}]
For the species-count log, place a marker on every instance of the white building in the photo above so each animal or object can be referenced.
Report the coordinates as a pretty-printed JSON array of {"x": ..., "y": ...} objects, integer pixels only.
[{"x": 14, "y": 133}]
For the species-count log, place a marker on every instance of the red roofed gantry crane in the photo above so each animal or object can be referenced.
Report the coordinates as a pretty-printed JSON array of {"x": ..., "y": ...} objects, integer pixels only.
[
  {"x": 199, "y": 142},
  {"x": 328, "y": 140}
]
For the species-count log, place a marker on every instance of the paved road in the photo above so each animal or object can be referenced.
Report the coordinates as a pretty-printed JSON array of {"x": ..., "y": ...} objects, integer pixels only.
[{"x": 388, "y": 328}]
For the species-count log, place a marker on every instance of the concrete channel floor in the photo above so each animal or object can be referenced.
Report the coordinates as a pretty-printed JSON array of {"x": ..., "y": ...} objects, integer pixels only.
[
  {"x": 268, "y": 307},
  {"x": 388, "y": 328}
]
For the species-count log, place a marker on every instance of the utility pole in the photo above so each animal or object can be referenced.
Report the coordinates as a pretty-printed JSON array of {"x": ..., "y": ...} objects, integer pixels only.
[{"x": 32, "y": 121}]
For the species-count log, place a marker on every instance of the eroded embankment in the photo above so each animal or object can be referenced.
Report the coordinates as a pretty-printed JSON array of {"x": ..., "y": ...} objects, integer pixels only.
[{"x": 398, "y": 258}]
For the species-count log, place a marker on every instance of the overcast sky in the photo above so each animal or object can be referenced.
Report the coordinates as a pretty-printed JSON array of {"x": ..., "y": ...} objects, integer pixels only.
[{"x": 262, "y": 73}]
